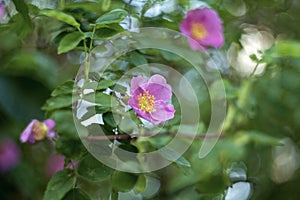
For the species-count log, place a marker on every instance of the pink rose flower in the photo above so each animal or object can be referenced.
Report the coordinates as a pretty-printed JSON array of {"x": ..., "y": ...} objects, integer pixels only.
[
  {"x": 149, "y": 99},
  {"x": 56, "y": 163},
  {"x": 9, "y": 155},
  {"x": 36, "y": 131},
  {"x": 204, "y": 28}
]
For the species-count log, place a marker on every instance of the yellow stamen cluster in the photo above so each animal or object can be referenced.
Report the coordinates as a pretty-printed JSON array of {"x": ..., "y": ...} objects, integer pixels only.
[
  {"x": 39, "y": 130},
  {"x": 198, "y": 31},
  {"x": 146, "y": 102}
]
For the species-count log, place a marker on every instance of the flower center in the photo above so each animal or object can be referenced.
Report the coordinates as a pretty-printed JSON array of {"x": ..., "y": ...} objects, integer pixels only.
[
  {"x": 146, "y": 102},
  {"x": 198, "y": 31},
  {"x": 39, "y": 130}
]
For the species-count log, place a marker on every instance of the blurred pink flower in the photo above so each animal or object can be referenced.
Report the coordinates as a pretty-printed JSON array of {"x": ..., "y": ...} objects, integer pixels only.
[
  {"x": 149, "y": 99},
  {"x": 2, "y": 11},
  {"x": 9, "y": 155},
  {"x": 37, "y": 130},
  {"x": 56, "y": 163},
  {"x": 204, "y": 28}
]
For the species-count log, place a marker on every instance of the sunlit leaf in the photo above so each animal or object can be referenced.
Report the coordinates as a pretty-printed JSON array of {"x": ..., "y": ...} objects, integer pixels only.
[
  {"x": 69, "y": 42},
  {"x": 64, "y": 101},
  {"x": 113, "y": 16},
  {"x": 61, "y": 16},
  {"x": 140, "y": 184},
  {"x": 103, "y": 84},
  {"x": 288, "y": 48}
]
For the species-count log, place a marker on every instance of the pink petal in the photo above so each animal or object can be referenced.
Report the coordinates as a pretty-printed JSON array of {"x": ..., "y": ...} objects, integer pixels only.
[
  {"x": 163, "y": 112},
  {"x": 212, "y": 23},
  {"x": 51, "y": 134},
  {"x": 161, "y": 92},
  {"x": 133, "y": 102},
  {"x": 137, "y": 82},
  {"x": 185, "y": 27},
  {"x": 216, "y": 40},
  {"x": 9, "y": 155},
  {"x": 54, "y": 164},
  {"x": 195, "y": 45},
  {"x": 157, "y": 79},
  {"x": 143, "y": 115},
  {"x": 50, "y": 123},
  {"x": 26, "y": 135}
]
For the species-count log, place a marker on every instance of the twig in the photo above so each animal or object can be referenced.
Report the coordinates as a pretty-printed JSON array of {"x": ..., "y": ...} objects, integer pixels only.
[{"x": 131, "y": 137}]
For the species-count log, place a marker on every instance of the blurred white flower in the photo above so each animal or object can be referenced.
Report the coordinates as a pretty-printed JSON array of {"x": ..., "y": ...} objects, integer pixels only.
[{"x": 254, "y": 43}]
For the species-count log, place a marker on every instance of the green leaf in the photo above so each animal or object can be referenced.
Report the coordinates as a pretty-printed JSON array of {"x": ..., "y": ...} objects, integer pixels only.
[
  {"x": 107, "y": 31},
  {"x": 100, "y": 109},
  {"x": 104, "y": 33},
  {"x": 262, "y": 138},
  {"x": 69, "y": 42},
  {"x": 140, "y": 184},
  {"x": 102, "y": 99},
  {"x": 170, "y": 56},
  {"x": 61, "y": 16},
  {"x": 93, "y": 170},
  {"x": 34, "y": 10},
  {"x": 90, "y": 85},
  {"x": 71, "y": 148},
  {"x": 22, "y": 8},
  {"x": 109, "y": 119},
  {"x": 105, "y": 100},
  {"x": 243, "y": 137},
  {"x": 103, "y": 84},
  {"x": 288, "y": 48},
  {"x": 64, "y": 123},
  {"x": 105, "y": 4},
  {"x": 122, "y": 181},
  {"x": 137, "y": 59},
  {"x": 60, "y": 184},
  {"x": 114, "y": 16},
  {"x": 173, "y": 156},
  {"x": 65, "y": 88},
  {"x": 64, "y": 101},
  {"x": 76, "y": 194}
]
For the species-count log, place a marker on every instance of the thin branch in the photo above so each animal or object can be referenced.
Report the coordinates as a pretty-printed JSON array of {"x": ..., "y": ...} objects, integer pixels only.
[
  {"x": 255, "y": 68},
  {"x": 129, "y": 137}
]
